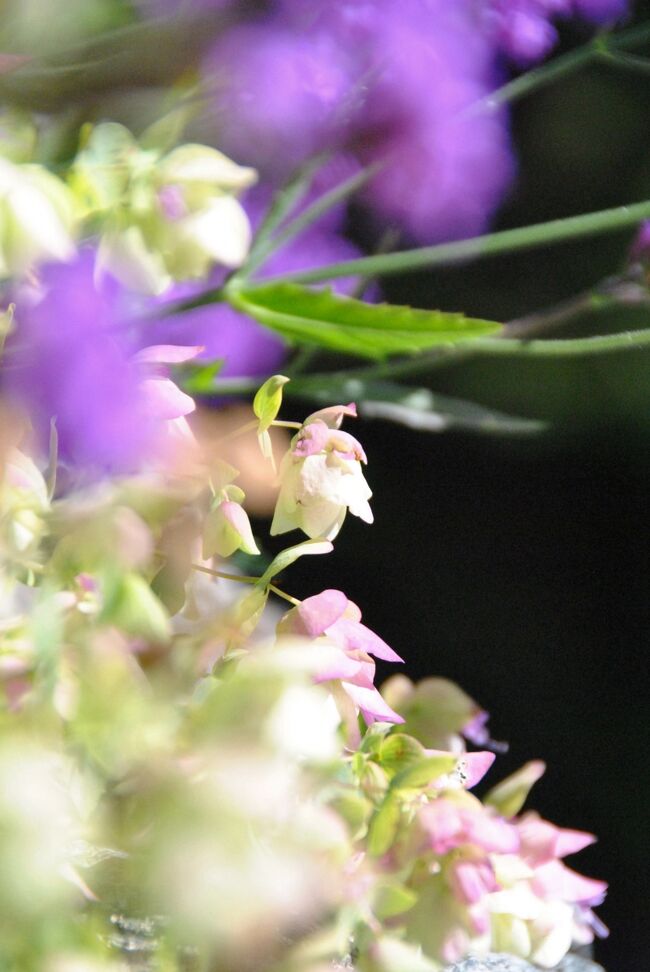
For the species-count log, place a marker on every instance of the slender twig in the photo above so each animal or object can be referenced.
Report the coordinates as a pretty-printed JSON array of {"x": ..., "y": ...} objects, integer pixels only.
[
  {"x": 305, "y": 219},
  {"x": 224, "y": 575},
  {"x": 561, "y": 67},
  {"x": 491, "y": 244}
]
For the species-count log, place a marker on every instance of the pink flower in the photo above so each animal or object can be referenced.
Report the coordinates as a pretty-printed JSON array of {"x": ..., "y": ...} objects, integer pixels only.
[{"x": 345, "y": 646}]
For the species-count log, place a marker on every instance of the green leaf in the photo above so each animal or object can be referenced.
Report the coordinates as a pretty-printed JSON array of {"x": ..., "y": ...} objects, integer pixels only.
[
  {"x": 200, "y": 380},
  {"x": 287, "y": 557},
  {"x": 417, "y": 408},
  {"x": 132, "y": 607},
  {"x": 509, "y": 796},
  {"x": 383, "y": 826},
  {"x": 392, "y": 899},
  {"x": 327, "y": 320},
  {"x": 423, "y": 772},
  {"x": 268, "y": 401},
  {"x": 399, "y": 751}
]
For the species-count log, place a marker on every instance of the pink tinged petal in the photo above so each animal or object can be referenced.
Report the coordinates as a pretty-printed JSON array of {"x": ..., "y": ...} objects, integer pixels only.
[
  {"x": 442, "y": 822},
  {"x": 473, "y": 767},
  {"x": 311, "y": 440},
  {"x": 471, "y": 880},
  {"x": 172, "y": 203},
  {"x": 357, "y": 637},
  {"x": 479, "y": 916},
  {"x": 373, "y": 707},
  {"x": 556, "y": 880},
  {"x": 572, "y": 841},
  {"x": 167, "y": 354},
  {"x": 329, "y": 663},
  {"x": 352, "y": 612},
  {"x": 315, "y": 614},
  {"x": 237, "y": 517},
  {"x": 164, "y": 400},
  {"x": 542, "y": 841},
  {"x": 491, "y": 833},
  {"x": 454, "y": 945},
  {"x": 332, "y": 416}
]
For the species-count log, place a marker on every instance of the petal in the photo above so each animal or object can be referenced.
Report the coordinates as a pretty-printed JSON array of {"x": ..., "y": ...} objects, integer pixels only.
[
  {"x": 357, "y": 637},
  {"x": 372, "y": 705},
  {"x": 316, "y": 614},
  {"x": 125, "y": 255},
  {"x": 164, "y": 400},
  {"x": 556, "y": 880},
  {"x": 221, "y": 230},
  {"x": 333, "y": 416},
  {"x": 237, "y": 517},
  {"x": 167, "y": 354}
]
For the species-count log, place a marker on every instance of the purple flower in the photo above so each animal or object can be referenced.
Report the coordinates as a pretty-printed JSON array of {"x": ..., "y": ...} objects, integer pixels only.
[
  {"x": 524, "y": 29},
  {"x": 73, "y": 360},
  {"x": 281, "y": 95},
  {"x": 392, "y": 85}
]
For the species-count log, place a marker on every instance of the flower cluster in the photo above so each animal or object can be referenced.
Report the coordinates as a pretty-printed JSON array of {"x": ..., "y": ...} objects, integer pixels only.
[{"x": 253, "y": 786}]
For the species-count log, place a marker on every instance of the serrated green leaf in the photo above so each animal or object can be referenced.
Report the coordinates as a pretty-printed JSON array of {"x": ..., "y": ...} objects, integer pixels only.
[
  {"x": 322, "y": 318},
  {"x": 287, "y": 557},
  {"x": 383, "y": 826},
  {"x": 423, "y": 772}
]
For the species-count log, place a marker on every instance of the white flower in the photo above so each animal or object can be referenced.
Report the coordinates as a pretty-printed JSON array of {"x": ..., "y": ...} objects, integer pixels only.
[
  {"x": 321, "y": 479},
  {"x": 36, "y": 218},
  {"x": 167, "y": 217}
]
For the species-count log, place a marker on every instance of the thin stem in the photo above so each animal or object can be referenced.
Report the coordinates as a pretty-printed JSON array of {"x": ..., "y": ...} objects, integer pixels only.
[
  {"x": 287, "y": 597},
  {"x": 225, "y": 576},
  {"x": 242, "y": 430},
  {"x": 572, "y": 347},
  {"x": 302, "y": 359},
  {"x": 626, "y": 62},
  {"x": 282, "y": 205},
  {"x": 312, "y": 213},
  {"x": 561, "y": 67},
  {"x": 286, "y": 425},
  {"x": 491, "y": 244}
]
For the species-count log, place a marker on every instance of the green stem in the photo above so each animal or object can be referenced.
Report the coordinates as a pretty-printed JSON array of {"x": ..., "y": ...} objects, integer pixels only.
[
  {"x": 561, "y": 67},
  {"x": 491, "y": 244},
  {"x": 301, "y": 222},
  {"x": 287, "y": 597},
  {"x": 225, "y": 576},
  {"x": 572, "y": 347}
]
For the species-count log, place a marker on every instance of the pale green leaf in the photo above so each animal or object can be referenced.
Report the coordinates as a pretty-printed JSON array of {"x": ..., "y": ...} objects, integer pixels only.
[
  {"x": 324, "y": 319},
  {"x": 287, "y": 557}
]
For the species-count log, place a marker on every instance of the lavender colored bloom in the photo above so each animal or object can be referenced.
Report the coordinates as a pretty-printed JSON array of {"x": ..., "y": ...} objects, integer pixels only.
[
  {"x": 600, "y": 11},
  {"x": 524, "y": 29},
  {"x": 74, "y": 360},
  {"x": 393, "y": 85},
  {"x": 72, "y": 366},
  {"x": 445, "y": 169},
  {"x": 281, "y": 95}
]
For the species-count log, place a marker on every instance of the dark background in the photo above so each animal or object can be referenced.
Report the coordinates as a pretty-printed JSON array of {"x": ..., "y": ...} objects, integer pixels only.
[{"x": 519, "y": 567}]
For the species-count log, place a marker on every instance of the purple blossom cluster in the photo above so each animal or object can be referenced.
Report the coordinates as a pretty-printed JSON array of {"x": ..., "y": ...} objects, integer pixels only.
[{"x": 394, "y": 84}]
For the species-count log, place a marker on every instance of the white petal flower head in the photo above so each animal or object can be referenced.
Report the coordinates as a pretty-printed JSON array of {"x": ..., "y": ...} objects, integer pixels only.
[
  {"x": 321, "y": 479},
  {"x": 166, "y": 217},
  {"x": 37, "y": 218}
]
